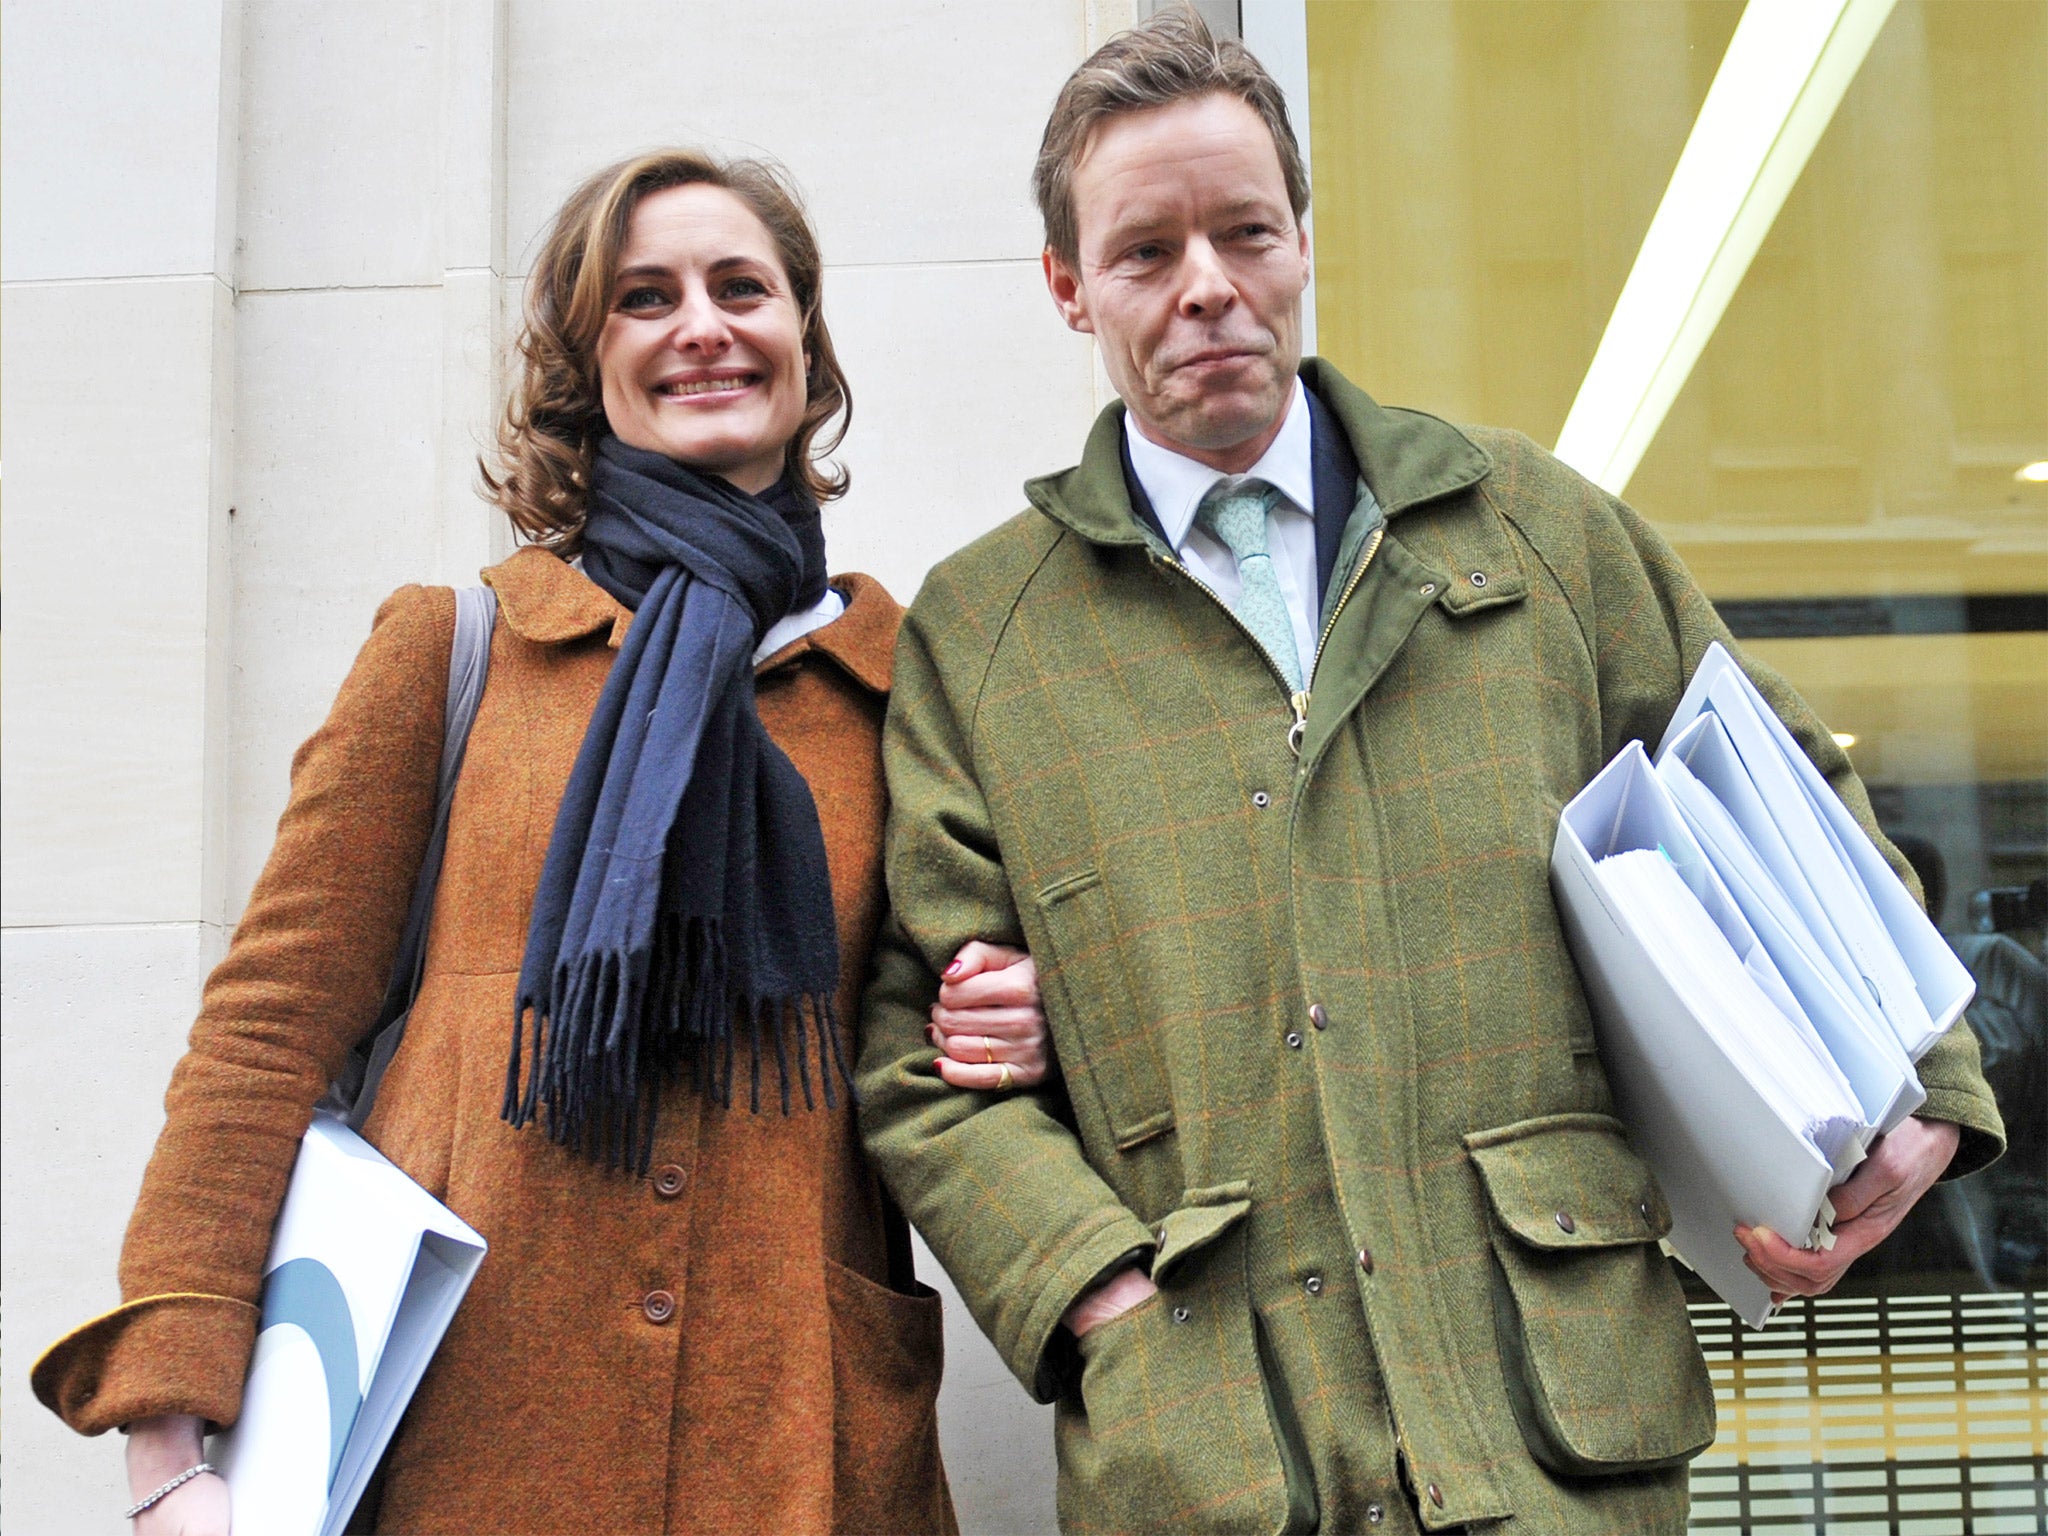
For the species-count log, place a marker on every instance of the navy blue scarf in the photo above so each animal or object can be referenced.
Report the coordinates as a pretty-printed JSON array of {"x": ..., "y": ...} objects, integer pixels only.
[{"x": 685, "y": 890}]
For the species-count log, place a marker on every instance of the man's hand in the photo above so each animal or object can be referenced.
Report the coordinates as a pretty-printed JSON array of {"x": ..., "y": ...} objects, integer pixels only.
[
  {"x": 988, "y": 1016},
  {"x": 1901, "y": 1167},
  {"x": 1115, "y": 1296}
]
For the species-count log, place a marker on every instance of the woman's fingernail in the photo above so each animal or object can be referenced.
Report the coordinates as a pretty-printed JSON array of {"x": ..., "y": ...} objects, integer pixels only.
[{"x": 953, "y": 968}]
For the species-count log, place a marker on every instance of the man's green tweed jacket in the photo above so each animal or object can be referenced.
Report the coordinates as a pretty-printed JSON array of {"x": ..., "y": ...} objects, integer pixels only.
[{"x": 1327, "y": 1067}]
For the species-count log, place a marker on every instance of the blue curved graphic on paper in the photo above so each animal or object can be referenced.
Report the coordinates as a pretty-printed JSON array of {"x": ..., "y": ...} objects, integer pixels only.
[{"x": 304, "y": 1294}]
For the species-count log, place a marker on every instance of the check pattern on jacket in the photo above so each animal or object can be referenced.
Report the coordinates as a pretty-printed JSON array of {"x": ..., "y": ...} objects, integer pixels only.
[{"x": 1326, "y": 1058}]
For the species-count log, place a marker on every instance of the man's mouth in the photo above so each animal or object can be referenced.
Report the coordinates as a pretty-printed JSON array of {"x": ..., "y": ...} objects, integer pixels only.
[{"x": 722, "y": 384}]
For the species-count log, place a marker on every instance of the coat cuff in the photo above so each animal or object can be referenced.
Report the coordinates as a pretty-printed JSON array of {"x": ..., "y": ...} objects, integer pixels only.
[
  {"x": 1042, "y": 1355},
  {"x": 179, "y": 1353}
]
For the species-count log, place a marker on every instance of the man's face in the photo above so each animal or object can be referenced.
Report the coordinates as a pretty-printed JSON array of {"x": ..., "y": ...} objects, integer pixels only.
[{"x": 1191, "y": 273}]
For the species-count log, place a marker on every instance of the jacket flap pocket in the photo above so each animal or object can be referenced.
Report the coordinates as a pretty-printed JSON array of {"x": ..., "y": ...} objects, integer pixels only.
[
  {"x": 1569, "y": 1182},
  {"x": 1204, "y": 1216}
]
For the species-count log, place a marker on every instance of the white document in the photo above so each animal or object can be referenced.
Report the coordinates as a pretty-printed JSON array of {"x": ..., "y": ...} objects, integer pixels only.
[
  {"x": 1918, "y": 983},
  {"x": 1702, "y": 1091},
  {"x": 1858, "y": 1038},
  {"x": 365, "y": 1272}
]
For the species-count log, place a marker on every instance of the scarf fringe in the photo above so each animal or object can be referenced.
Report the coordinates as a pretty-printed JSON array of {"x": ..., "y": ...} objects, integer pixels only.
[{"x": 590, "y": 1059}]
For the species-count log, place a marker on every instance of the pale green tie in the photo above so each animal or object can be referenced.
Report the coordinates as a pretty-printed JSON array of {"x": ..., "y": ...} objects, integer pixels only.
[{"x": 1234, "y": 510}]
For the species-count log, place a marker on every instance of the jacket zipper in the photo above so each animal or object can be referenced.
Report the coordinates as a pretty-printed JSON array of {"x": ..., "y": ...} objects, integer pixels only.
[{"x": 1297, "y": 702}]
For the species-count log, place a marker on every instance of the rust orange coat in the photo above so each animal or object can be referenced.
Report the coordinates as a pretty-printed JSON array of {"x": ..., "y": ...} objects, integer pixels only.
[{"x": 793, "y": 1386}]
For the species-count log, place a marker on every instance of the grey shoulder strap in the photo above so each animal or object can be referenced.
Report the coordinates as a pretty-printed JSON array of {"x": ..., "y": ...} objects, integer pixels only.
[{"x": 469, "y": 664}]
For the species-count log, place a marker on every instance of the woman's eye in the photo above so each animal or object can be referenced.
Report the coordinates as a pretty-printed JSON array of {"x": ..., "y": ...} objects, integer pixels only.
[
  {"x": 634, "y": 299},
  {"x": 744, "y": 288}
]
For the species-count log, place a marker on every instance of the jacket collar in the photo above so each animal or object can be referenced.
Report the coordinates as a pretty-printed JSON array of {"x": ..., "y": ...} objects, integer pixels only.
[
  {"x": 1408, "y": 458},
  {"x": 548, "y": 601}
]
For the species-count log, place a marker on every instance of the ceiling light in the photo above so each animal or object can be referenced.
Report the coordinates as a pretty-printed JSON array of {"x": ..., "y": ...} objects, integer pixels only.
[
  {"x": 1844, "y": 739},
  {"x": 2035, "y": 473}
]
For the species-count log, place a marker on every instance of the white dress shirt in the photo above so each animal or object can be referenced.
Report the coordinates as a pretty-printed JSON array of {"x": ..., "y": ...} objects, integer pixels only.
[
  {"x": 794, "y": 626},
  {"x": 1175, "y": 485}
]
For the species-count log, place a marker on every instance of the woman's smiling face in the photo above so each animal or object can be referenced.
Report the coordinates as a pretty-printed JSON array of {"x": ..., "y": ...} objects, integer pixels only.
[{"x": 701, "y": 356}]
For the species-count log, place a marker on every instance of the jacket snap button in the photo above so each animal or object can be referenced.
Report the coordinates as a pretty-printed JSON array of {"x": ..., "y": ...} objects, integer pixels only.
[
  {"x": 1436, "y": 1496},
  {"x": 1181, "y": 1314},
  {"x": 1294, "y": 1039},
  {"x": 1365, "y": 1260},
  {"x": 1313, "y": 1285},
  {"x": 1318, "y": 1016},
  {"x": 659, "y": 1306},
  {"x": 1374, "y": 1514},
  {"x": 1479, "y": 578},
  {"x": 1261, "y": 799},
  {"x": 1565, "y": 1222},
  {"x": 1644, "y": 1209},
  {"x": 668, "y": 1181},
  {"x": 1429, "y": 589}
]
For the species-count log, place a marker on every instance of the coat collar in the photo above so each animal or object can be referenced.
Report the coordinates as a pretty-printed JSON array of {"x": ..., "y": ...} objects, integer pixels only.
[
  {"x": 548, "y": 601},
  {"x": 1405, "y": 456}
]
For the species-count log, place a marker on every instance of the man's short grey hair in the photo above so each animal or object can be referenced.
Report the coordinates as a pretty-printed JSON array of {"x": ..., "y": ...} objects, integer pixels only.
[{"x": 1173, "y": 57}]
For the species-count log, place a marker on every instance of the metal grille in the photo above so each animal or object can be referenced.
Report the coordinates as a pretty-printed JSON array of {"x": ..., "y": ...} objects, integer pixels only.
[{"x": 1901, "y": 1415}]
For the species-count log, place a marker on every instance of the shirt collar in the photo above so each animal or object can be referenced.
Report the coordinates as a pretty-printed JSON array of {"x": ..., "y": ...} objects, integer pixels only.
[{"x": 1176, "y": 484}]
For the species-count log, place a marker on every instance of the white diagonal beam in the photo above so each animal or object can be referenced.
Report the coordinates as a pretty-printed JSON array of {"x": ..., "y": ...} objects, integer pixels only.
[{"x": 1779, "y": 83}]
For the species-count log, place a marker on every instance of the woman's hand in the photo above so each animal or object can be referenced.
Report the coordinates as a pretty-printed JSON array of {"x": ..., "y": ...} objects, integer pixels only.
[
  {"x": 158, "y": 1450},
  {"x": 988, "y": 1017}
]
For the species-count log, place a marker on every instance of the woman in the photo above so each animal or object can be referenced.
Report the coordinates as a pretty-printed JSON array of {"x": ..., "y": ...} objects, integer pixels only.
[{"x": 624, "y": 1065}]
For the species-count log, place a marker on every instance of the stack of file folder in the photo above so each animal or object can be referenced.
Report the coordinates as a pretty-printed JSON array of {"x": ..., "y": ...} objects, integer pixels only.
[{"x": 1762, "y": 981}]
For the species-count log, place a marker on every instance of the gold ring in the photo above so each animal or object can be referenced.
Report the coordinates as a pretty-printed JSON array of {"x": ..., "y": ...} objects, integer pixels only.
[
  {"x": 988, "y": 1049},
  {"x": 1003, "y": 1083}
]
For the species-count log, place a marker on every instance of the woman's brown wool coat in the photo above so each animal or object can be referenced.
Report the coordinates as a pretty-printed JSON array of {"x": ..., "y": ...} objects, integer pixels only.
[{"x": 714, "y": 1347}]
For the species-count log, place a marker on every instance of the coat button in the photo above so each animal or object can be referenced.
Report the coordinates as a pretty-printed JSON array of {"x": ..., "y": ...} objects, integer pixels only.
[
  {"x": 1261, "y": 799},
  {"x": 1478, "y": 578},
  {"x": 1436, "y": 1496},
  {"x": 1374, "y": 1514},
  {"x": 1313, "y": 1285},
  {"x": 1294, "y": 1039},
  {"x": 659, "y": 1306},
  {"x": 1318, "y": 1015},
  {"x": 1365, "y": 1260},
  {"x": 668, "y": 1181},
  {"x": 1181, "y": 1314},
  {"x": 1565, "y": 1222}
]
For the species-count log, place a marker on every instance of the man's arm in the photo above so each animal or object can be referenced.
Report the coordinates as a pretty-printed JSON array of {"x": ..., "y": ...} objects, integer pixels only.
[
  {"x": 998, "y": 1185},
  {"x": 1650, "y": 633}
]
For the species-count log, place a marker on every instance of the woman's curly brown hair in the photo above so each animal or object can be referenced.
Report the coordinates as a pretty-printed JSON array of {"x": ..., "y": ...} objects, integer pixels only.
[{"x": 540, "y": 474}]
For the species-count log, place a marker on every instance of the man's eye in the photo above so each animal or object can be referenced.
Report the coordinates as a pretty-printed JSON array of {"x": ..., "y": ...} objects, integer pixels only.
[{"x": 1147, "y": 252}]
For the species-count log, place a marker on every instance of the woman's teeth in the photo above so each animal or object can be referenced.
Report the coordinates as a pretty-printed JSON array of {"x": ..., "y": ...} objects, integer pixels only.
[{"x": 706, "y": 386}]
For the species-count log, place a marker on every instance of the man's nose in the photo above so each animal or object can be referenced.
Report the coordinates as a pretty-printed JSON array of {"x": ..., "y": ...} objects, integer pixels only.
[
  {"x": 1206, "y": 289},
  {"x": 698, "y": 325}
]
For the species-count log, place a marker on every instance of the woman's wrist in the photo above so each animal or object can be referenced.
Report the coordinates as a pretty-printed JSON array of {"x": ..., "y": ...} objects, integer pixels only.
[{"x": 161, "y": 1447}]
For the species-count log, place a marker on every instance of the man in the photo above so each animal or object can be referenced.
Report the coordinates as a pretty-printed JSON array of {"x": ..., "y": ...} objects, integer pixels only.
[{"x": 1328, "y": 1226}]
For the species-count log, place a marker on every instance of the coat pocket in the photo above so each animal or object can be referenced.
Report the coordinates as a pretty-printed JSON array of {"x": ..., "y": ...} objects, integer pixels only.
[
  {"x": 1601, "y": 1366},
  {"x": 1095, "y": 1004},
  {"x": 887, "y": 1352},
  {"x": 1169, "y": 1431}
]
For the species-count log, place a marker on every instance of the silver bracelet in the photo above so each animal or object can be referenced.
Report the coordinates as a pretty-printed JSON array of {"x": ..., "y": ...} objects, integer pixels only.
[{"x": 169, "y": 1488}]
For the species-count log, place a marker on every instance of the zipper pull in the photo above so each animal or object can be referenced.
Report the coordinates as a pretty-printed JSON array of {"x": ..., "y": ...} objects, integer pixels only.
[{"x": 1294, "y": 731}]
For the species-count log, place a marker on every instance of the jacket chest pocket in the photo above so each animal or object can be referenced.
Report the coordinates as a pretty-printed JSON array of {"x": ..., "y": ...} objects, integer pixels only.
[
  {"x": 1601, "y": 1365},
  {"x": 1102, "y": 1037}
]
